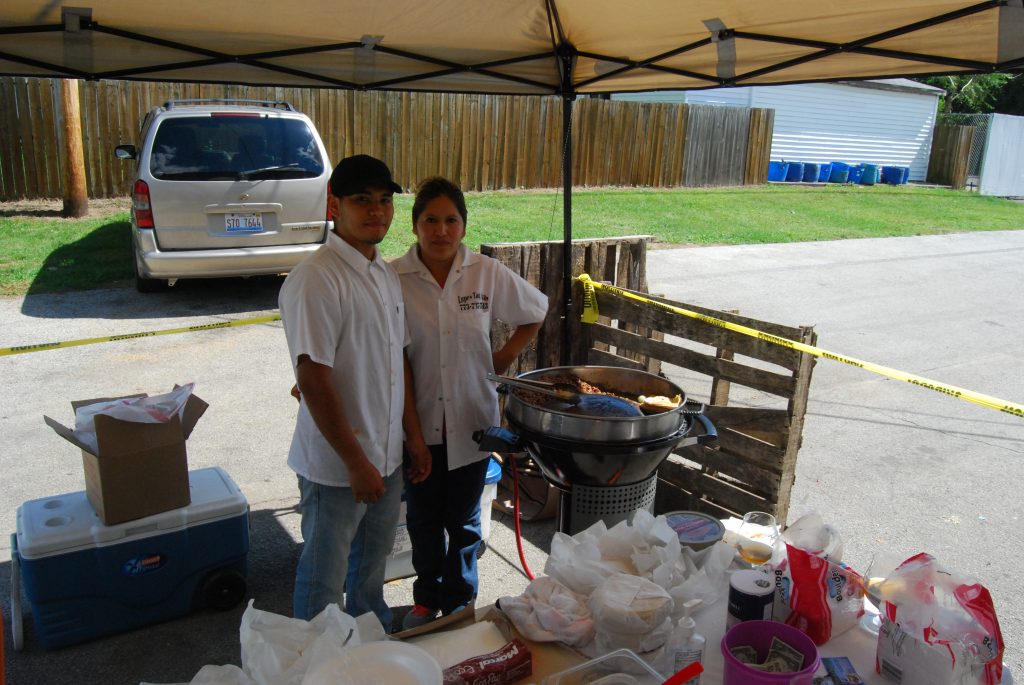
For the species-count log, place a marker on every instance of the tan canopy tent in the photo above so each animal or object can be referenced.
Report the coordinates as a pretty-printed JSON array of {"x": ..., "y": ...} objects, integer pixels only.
[
  {"x": 539, "y": 47},
  {"x": 509, "y": 46}
]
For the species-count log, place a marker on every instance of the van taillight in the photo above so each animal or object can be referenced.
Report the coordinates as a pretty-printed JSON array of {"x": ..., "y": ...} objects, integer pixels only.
[{"x": 141, "y": 208}]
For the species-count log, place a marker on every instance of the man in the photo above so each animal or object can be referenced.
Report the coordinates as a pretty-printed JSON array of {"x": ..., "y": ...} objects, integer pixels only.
[{"x": 344, "y": 321}]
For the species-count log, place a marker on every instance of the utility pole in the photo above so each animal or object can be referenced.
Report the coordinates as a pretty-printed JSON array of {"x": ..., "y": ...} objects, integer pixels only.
[{"x": 76, "y": 198}]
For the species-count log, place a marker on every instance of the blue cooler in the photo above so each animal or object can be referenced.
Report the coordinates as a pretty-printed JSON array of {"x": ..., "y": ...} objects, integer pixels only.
[{"x": 84, "y": 580}]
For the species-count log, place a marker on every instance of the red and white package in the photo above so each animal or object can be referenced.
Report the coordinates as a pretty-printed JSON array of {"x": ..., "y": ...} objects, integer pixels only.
[
  {"x": 511, "y": 663},
  {"x": 939, "y": 627},
  {"x": 814, "y": 591},
  {"x": 819, "y": 597}
]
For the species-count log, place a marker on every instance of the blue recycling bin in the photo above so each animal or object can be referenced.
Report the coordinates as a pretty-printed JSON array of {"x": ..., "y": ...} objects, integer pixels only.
[
  {"x": 840, "y": 172},
  {"x": 795, "y": 174},
  {"x": 892, "y": 175},
  {"x": 777, "y": 171},
  {"x": 869, "y": 174}
]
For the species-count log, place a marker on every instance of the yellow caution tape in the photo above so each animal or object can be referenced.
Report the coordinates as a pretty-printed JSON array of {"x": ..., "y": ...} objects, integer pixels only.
[
  {"x": 23, "y": 349},
  {"x": 590, "y": 315}
]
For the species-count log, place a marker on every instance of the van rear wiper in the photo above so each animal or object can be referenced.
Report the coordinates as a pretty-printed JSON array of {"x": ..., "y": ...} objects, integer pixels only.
[{"x": 244, "y": 175}]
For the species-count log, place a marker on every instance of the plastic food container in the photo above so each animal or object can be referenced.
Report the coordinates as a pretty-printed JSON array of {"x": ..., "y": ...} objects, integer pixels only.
[
  {"x": 695, "y": 530},
  {"x": 759, "y": 634},
  {"x": 621, "y": 667}
]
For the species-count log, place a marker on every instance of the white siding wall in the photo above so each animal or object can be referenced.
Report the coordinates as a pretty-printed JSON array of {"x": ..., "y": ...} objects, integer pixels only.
[
  {"x": 1002, "y": 170},
  {"x": 824, "y": 122},
  {"x": 735, "y": 97}
]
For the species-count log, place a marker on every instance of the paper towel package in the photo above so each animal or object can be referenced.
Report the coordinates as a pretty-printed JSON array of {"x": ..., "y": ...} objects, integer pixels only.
[{"x": 84, "y": 579}]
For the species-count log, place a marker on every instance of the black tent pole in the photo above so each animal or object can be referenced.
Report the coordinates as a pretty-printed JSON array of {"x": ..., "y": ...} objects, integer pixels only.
[
  {"x": 566, "y": 226},
  {"x": 567, "y": 55}
]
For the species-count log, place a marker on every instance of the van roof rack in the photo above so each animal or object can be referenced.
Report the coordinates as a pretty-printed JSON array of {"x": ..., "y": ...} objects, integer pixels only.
[{"x": 276, "y": 104}]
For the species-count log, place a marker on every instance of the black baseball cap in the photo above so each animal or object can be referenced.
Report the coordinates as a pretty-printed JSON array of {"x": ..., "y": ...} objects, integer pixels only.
[{"x": 358, "y": 173}]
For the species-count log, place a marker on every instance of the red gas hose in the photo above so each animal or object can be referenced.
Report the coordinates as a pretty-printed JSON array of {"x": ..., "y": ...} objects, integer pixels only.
[{"x": 515, "y": 513}]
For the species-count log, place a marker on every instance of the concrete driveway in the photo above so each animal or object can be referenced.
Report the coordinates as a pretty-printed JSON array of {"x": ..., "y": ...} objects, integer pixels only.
[{"x": 895, "y": 467}]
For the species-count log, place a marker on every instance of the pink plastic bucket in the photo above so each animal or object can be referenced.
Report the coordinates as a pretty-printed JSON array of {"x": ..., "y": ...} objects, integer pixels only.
[{"x": 759, "y": 634}]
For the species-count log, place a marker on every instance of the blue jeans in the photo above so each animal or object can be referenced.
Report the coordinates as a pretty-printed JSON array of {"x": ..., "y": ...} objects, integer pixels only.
[
  {"x": 447, "y": 501},
  {"x": 332, "y": 523}
]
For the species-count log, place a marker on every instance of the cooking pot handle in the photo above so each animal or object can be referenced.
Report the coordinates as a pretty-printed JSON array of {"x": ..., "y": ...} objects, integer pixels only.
[
  {"x": 498, "y": 439},
  {"x": 684, "y": 410},
  {"x": 710, "y": 434}
]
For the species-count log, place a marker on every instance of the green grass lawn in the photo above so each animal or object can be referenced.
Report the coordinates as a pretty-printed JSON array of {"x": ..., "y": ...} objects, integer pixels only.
[{"x": 51, "y": 254}]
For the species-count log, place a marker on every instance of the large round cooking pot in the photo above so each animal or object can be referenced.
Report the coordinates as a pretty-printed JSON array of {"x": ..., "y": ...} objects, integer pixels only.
[
  {"x": 558, "y": 421},
  {"x": 566, "y": 463}
]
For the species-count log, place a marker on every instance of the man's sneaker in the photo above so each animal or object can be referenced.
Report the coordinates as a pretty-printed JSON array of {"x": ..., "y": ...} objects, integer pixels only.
[{"x": 418, "y": 616}]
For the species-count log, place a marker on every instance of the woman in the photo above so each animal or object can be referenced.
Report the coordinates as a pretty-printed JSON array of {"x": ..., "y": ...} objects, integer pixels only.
[{"x": 451, "y": 297}]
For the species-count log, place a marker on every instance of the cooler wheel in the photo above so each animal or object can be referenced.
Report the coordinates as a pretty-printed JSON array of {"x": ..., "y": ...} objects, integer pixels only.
[
  {"x": 223, "y": 589},
  {"x": 17, "y": 632}
]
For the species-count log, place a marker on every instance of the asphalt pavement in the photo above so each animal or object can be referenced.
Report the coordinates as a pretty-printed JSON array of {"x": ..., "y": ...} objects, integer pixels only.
[{"x": 893, "y": 466}]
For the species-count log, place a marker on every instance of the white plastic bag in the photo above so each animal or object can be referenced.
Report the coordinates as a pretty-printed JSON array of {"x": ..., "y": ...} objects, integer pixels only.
[
  {"x": 278, "y": 650},
  {"x": 155, "y": 409},
  {"x": 939, "y": 627},
  {"x": 576, "y": 561},
  {"x": 646, "y": 547}
]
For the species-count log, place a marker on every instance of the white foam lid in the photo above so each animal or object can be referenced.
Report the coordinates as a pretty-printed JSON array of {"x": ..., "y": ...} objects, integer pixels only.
[{"x": 67, "y": 523}]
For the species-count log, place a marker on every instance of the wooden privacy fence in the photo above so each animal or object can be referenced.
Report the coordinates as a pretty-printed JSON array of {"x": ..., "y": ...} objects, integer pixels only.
[
  {"x": 950, "y": 155},
  {"x": 753, "y": 467},
  {"x": 484, "y": 142}
]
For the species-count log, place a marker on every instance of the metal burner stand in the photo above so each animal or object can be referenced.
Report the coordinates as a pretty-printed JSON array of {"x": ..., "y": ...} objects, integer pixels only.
[{"x": 583, "y": 505}]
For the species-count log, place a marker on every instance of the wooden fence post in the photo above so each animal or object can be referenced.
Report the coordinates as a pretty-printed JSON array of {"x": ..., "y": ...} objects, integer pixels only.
[{"x": 76, "y": 198}]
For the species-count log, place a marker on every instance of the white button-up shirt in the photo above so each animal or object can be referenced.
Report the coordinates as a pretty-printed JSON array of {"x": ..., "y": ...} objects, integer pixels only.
[
  {"x": 450, "y": 343},
  {"x": 346, "y": 312}
]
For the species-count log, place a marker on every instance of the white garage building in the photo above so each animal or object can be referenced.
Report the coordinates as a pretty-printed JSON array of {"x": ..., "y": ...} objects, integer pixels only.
[{"x": 886, "y": 122}]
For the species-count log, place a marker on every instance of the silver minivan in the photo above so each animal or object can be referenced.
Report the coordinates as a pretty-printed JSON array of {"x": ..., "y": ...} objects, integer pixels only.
[{"x": 225, "y": 188}]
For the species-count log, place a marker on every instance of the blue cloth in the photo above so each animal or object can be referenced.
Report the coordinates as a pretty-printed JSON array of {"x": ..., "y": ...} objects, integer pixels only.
[
  {"x": 446, "y": 502},
  {"x": 333, "y": 524}
]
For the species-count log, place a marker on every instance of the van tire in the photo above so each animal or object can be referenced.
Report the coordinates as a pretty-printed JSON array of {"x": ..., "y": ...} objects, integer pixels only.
[{"x": 149, "y": 285}]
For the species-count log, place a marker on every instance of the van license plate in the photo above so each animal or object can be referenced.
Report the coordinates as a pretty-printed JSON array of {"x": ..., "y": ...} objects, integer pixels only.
[{"x": 243, "y": 222}]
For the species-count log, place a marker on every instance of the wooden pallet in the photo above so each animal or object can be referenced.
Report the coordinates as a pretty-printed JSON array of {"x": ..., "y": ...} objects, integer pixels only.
[{"x": 753, "y": 466}]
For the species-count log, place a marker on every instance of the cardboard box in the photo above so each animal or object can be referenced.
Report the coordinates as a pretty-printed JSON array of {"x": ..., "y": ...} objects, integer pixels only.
[{"x": 141, "y": 468}]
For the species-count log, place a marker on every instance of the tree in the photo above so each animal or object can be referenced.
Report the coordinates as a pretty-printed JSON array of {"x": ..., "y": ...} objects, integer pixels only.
[
  {"x": 981, "y": 93},
  {"x": 1011, "y": 97}
]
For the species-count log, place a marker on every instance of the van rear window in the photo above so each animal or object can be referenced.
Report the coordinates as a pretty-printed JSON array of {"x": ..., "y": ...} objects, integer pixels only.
[{"x": 234, "y": 147}]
